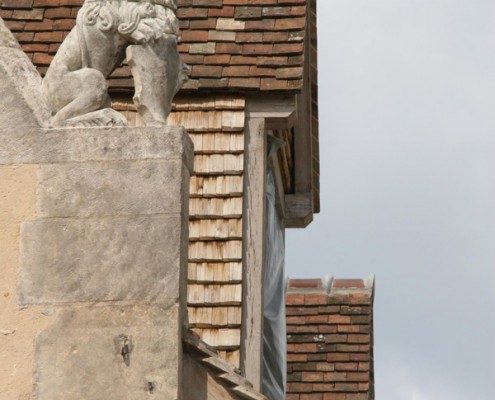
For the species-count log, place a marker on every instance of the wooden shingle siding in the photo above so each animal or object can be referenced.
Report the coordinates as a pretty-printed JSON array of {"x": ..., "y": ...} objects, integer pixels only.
[
  {"x": 216, "y": 125},
  {"x": 215, "y": 251},
  {"x": 215, "y": 229},
  {"x": 209, "y": 120},
  {"x": 223, "y": 294},
  {"x": 208, "y": 272},
  {"x": 208, "y": 143},
  {"x": 219, "y": 164},
  {"x": 214, "y": 317},
  {"x": 221, "y": 338},
  {"x": 232, "y": 356},
  {"x": 215, "y": 207},
  {"x": 215, "y": 186}
]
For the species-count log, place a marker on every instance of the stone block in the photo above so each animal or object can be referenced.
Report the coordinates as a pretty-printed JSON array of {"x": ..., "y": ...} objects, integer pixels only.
[
  {"x": 110, "y": 352},
  {"x": 95, "y": 144},
  {"x": 105, "y": 259},
  {"x": 88, "y": 189},
  {"x": 15, "y": 115},
  {"x": 7, "y": 39},
  {"x": 19, "y": 73}
]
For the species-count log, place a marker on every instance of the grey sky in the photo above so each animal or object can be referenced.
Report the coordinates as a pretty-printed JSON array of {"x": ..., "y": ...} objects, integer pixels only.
[{"x": 407, "y": 132}]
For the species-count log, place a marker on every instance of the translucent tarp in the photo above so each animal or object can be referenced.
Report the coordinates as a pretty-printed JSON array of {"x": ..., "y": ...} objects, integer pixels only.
[{"x": 275, "y": 334}]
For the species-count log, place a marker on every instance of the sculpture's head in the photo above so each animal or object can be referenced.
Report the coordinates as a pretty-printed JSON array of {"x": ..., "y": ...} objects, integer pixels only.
[{"x": 140, "y": 21}]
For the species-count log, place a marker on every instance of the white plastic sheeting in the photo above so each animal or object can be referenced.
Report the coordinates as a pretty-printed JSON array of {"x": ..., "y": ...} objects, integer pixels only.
[{"x": 274, "y": 334}]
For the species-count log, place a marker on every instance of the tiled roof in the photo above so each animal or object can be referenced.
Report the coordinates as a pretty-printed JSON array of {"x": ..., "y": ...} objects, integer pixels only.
[
  {"x": 330, "y": 339},
  {"x": 229, "y": 44}
]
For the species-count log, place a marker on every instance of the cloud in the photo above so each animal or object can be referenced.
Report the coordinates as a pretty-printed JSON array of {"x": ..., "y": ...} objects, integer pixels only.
[{"x": 401, "y": 380}]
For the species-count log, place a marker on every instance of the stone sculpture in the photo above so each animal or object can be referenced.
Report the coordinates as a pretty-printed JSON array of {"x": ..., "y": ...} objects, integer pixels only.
[{"x": 106, "y": 32}]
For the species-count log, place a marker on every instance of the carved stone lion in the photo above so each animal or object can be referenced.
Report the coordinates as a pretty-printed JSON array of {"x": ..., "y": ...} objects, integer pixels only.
[{"x": 106, "y": 32}]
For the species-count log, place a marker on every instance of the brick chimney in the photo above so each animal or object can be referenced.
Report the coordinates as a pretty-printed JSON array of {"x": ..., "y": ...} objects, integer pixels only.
[{"x": 330, "y": 339}]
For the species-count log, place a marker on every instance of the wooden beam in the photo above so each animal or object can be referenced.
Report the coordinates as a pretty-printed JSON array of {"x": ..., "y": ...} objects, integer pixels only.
[
  {"x": 251, "y": 362},
  {"x": 280, "y": 121},
  {"x": 280, "y": 193},
  {"x": 270, "y": 105},
  {"x": 298, "y": 210},
  {"x": 302, "y": 139},
  {"x": 285, "y": 112}
]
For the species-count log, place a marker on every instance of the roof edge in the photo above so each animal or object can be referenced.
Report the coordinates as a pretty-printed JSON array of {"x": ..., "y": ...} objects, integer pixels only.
[{"x": 331, "y": 286}]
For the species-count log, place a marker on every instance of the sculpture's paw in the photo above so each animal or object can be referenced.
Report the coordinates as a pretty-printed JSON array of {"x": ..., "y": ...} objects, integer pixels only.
[{"x": 105, "y": 117}]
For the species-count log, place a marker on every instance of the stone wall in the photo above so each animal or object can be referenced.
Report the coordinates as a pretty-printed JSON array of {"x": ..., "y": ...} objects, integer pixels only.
[
  {"x": 94, "y": 262},
  {"x": 93, "y": 251},
  {"x": 18, "y": 326}
]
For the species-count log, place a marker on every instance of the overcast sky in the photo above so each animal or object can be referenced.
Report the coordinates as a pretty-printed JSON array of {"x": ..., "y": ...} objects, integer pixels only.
[{"x": 407, "y": 141}]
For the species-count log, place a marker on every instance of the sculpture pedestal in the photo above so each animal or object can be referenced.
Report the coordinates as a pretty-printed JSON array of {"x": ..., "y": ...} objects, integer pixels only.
[
  {"x": 107, "y": 255},
  {"x": 103, "y": 249}
]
